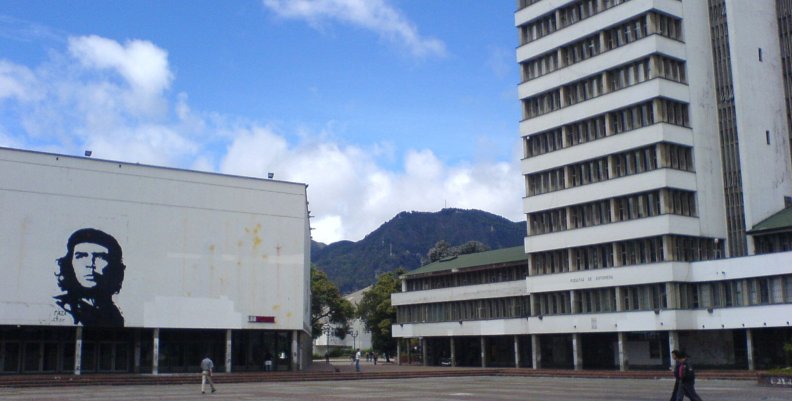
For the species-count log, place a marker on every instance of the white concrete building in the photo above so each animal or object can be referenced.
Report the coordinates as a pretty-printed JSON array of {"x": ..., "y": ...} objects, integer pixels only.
[
  {"x": 657, "y": 172},
  {"x": 358, "y": 336},
  {"x": 120, "y": 267}
]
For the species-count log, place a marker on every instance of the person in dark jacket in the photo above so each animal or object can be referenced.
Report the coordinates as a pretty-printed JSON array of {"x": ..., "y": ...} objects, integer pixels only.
[{"x": 685, "y": 378}]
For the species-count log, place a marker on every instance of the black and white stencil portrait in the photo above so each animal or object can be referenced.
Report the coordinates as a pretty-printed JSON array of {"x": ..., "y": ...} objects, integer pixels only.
[{"x": 89, "y": 275}]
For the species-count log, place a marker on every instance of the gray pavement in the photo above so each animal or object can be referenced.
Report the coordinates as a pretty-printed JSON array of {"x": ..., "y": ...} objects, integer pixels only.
[{"x": 424, "y": 389}]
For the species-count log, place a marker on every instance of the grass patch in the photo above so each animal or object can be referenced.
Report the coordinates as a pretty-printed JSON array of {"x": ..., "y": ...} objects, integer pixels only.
[{"x": 779, "y": 372}]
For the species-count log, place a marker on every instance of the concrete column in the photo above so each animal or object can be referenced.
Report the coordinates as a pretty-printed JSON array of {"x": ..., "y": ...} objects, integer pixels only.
[
  {"x": 529, "y": 224},
  {"x": 623, "y": 358},
  {"x": 749, "y": 349},
  {"x": 746, "y": 293},
  {"x": 228, "y": 352},
  {"x": 672, "y": 296},
  {"x": 78, "y": 350},
  {"x": 516, "y": 351},
  {"x": 612, "y": 175},
  {"x": 424, "y": 352},
  {"x": 536, "y": 352},
  {"x": 295, "y": 347},
  {"x": 155, "y": 352},
  {"x": 619, "y": 299},
  {"x": 562, "y": 99},
  {"x": 656, "y": 111},
  {"x": 617, "y": 257},
  {"x": 136, "y": 362},
  {"x": 651, "y": 24},
  {"x": 558, "y": 19},
  {"x": 404, "y": 285},
  {"x": 663, "y": 195},
  {"x": 572, "y": 304},
  {"x": 571, "y": 259},
  {"x": 398, "y": 351},
  {"x": 653, "y": 70},
  {"x": 561, "y": 60},
  {"x": 661, "y": 152},
  {"x": 577, "y": 351},
  {"x": 453, "y": 352},
  {"x": 668, "y": 247},
  {"x": 531, "y": 266},
  {"x": 565, "y": 136},
  {"x": 673, "y": 342},
  {"x": 534, "y": 309},
  {"x": 483, "y": 352},
  {"x": 606, "y": 87},
  {"x": 608, "y": 127},
  {"x": 603, "y": 42}
]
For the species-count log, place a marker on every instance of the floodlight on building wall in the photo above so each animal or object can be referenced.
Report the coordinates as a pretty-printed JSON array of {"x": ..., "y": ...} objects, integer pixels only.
[
  {"x": 88, "y": 153},
  {"x": 270, "y": 175}
]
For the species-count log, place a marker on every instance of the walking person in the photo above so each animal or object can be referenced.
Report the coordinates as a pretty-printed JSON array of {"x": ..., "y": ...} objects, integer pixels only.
[
  {"x": 357, "y": 360},
  {"x": 685, "y": 378},
  {"x": 207, "y": 366},
  {"x": 268, "y": 362}
]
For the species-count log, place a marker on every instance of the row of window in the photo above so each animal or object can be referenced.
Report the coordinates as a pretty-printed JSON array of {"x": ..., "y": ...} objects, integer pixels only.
[
  {"x": 538, "y": 28},
  {"x": 582, "y": 90},
  {"x": 564, "y": 17},
  {"x": 730, "y": 293},
  {"x": 771, "y": 243},
  {"x": 720, "y": 294},
  {"x": 483, "y": 276},
  {"x": 626, "y": 253},
  {"x": 627, "y": 32},
  {"x": 655, "y": 66},
  {"x": 635, "y": 161},
  {"x": 525, "y": 3},
  {"x": 600, "y": 42},
  {"x": 630, "y": 207},
  {"x": 637, "y": 116},
  {"x": 599, "y": 256},
  {"x": 602, "y": 300},
  {"x": 643, "y": 297},
  {"x": 477, "y": 309}
]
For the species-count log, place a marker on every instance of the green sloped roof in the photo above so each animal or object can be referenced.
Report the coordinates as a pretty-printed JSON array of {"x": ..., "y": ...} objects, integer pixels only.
[
  {"x": 780, "y": 221},
  {"x": 498, "y": 256}
]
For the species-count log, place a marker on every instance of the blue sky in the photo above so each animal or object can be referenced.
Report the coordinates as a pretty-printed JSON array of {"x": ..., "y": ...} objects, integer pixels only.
[{"x": 379, "y": 105}]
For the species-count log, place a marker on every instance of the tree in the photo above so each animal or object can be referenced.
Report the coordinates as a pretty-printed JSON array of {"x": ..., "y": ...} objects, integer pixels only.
[
  {"x": 439, "y": 251},
  {"x": 327, "y": 306},
  {"x": 377, "y": 313},
  {"x": 443, "y": 250}
]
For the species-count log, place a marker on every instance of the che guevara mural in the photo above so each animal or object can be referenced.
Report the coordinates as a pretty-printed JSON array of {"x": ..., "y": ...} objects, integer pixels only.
[{"x": 89, "y": 274}]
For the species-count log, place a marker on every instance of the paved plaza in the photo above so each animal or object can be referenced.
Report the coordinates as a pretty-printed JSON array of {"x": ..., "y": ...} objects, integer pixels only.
[{"x": 425, "y": 389}]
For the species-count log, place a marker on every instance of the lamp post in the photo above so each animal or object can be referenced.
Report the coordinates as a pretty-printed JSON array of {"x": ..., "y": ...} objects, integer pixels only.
[
  {"x": 354, "y": 335},
  {"x": 327, "y": 329}
]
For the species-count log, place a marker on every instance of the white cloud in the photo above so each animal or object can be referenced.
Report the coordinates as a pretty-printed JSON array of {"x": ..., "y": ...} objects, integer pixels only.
[
  {"x": 351, "y": 195},
  {"x": 63, "y": 106},
  {"x": 375, "y": 15},
  {"x": 17, "y": 82},
  {"x": 142, "y": 66}
]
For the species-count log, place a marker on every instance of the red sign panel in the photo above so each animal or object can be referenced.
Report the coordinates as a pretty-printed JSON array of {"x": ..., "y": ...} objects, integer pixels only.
[{"x": 261, "y": 319}]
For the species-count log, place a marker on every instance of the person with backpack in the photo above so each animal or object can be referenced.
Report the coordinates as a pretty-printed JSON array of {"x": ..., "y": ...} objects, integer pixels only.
[{"x": 685, "y": 377}]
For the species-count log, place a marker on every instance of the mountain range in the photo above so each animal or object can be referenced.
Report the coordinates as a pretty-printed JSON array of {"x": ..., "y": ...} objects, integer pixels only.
[{"x": 405, "y": 240}]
